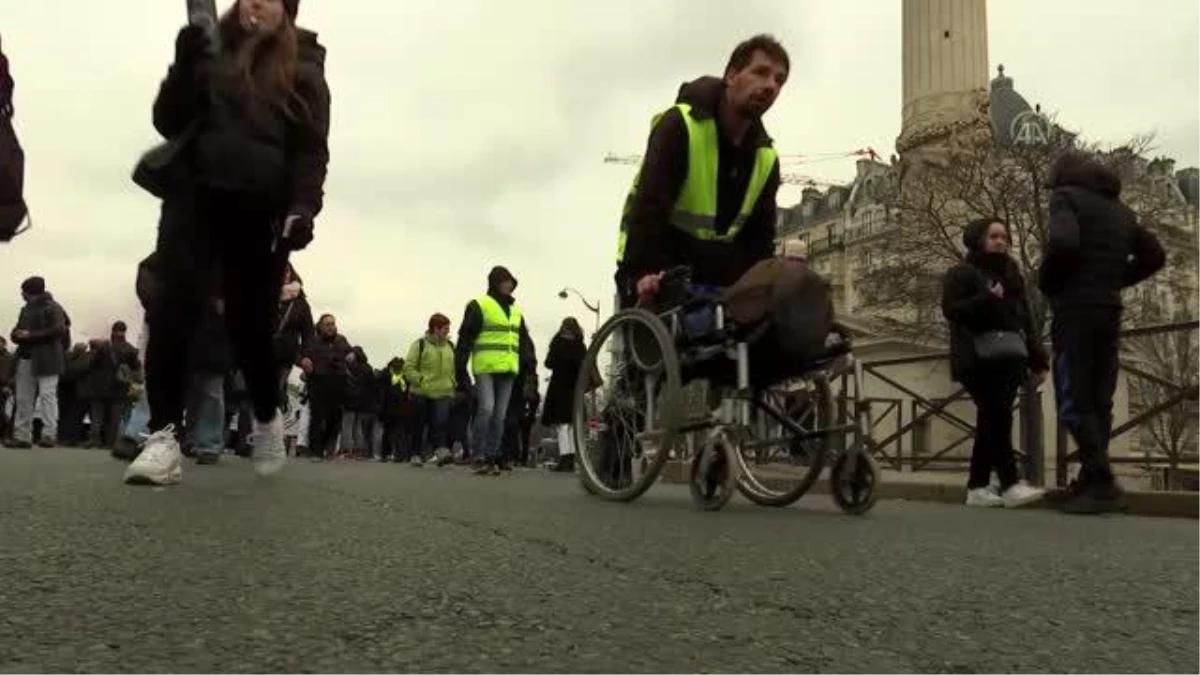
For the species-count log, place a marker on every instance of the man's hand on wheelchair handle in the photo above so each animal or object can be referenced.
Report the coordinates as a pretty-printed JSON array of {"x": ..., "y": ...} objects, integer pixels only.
[{"x": 647, "y": 286}]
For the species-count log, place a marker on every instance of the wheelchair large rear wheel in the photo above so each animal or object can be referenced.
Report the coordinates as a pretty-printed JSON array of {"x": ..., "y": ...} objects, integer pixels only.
[
  {"x": 625, "y": 423},
  {"x": 777, "y": 467}
]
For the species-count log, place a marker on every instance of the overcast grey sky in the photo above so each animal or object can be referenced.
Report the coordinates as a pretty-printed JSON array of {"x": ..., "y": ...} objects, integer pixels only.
[{"x": 471, "y": 133}]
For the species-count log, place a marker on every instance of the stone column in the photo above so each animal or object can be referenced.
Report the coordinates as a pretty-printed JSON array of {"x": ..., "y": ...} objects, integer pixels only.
[{"x": 945, "y": 67}]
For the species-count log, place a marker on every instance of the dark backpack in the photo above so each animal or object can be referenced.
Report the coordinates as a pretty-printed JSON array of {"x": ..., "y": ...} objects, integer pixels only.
[{"x": 13, "y": 212}]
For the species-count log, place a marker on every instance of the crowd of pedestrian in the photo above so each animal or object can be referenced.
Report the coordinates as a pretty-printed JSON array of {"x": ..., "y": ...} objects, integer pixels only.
[{"x": 472, "y": 400}]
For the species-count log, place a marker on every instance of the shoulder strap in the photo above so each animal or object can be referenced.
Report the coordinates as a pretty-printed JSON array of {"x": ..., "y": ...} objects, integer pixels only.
[{"x": 283, "y": 321}]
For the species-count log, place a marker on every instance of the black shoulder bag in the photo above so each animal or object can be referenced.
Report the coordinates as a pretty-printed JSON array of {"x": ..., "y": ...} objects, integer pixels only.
[{"x": 1000, "y": 345}]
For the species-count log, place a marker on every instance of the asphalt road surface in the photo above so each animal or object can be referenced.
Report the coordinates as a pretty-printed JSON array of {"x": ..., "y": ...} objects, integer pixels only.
[{"x": 367, "y": 567}]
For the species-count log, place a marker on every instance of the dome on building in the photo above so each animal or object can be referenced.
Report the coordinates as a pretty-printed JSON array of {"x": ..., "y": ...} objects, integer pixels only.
[{"x": 1008, "y": 111}]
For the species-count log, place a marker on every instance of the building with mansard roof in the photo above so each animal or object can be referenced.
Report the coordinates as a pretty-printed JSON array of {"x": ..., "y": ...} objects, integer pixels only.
[{"x": 846, "y": 226}]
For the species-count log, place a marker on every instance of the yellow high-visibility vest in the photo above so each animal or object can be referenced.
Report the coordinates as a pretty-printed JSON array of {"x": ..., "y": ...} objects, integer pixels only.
[
  {"x": 497, "y": 349},
  {"x": 695, "y": 209}
]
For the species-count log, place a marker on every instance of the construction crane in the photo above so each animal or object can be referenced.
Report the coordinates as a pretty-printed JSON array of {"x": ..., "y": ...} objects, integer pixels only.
[{"x": 786, "y": 176}]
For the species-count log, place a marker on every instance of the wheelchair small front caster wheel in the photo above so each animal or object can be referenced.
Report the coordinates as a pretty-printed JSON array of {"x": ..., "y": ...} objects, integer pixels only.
[
  {"x": 714, "y": 474},
  {"x": 854, "y": 490}
]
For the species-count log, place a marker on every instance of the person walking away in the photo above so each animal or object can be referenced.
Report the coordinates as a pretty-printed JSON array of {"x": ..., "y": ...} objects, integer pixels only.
[
  {"x": 1095, "y": 248},
  {"x": 111, "y": 371},
  {"x": 42, "y": 337},
  {"x": 362, "y": 406},
  {"x": 393, "y": 408},
  {"x": 490, "y": 337},
  {"x": 324, "y": 363},
  {"x": 430, "y": 370},
  {"x": 252, "y": 123},
  {"x": 565, "y": 360},
  {"x": 210, "y": 359},
  {"x": 984, "y": 297},
  {"x": 294, "y": 329}
]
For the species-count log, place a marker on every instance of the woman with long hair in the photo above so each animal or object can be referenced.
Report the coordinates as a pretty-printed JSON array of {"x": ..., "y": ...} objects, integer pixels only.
[
  {"x": 252, "y": 119},
  {"x": 994, "y": 351},
  {"x": 565, "y": 360}
]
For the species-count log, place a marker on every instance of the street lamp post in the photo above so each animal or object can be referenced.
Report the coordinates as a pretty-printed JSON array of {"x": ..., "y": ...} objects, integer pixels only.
[{"x": 594, "y": 308}]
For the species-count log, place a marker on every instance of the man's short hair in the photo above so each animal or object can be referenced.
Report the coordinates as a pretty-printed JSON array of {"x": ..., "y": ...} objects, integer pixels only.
[
  {"x": 438, "y": 321},
  {"x": 743, "y": 54},
  {"x": 119, "y": 327}
]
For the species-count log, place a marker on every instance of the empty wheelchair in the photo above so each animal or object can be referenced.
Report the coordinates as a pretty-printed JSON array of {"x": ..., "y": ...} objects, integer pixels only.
[{"x": 741, "y": 413}]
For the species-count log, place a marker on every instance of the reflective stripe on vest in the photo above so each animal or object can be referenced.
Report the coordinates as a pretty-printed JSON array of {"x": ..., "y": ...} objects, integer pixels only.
[
  {"x": 695, "y": 209},
  {"x": 497, "y": 349}
]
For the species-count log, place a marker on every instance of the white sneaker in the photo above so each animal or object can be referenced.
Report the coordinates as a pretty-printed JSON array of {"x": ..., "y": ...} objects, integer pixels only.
[
  {"x": 160, "y": 462},
  {"x": 1021, "y": 494},
  {"x": 270, "y": 451},
  {"x": 984, "y": 497}
]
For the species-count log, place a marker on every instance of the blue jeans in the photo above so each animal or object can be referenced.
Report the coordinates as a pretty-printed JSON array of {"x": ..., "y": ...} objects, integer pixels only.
[
  {"x": 492, "y": 392},
  {"x": 429, "y": 420},
  {"x": 138, "y": 422},
  {"x": 206, "y": 412}
]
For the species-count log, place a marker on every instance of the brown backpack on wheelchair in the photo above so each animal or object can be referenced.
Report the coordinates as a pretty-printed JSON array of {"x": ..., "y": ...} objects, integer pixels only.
[{"x": 787, "y": 311}]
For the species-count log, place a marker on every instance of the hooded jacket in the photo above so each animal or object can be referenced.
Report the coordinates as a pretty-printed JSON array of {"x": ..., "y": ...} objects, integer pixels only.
[
  {"x": 971, "y": 308},
  {"x": 472, "y": 324},
  {"x": 654, "y": 244},
  {"x": 1095, "y": 245},
  {"x": 251, "y": 144}
]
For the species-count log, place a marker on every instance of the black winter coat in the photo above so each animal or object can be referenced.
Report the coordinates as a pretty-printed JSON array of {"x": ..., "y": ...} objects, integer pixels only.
[
  {"x": 253, "y": 144},
  {"x": 294, "y": 329},
  {"x": 971, "y": 308},
  {"x": 362, "y": 389},
  {"x": 565, "y": 360},
  {"x": 393, "y": 397},
  {"x": 110, "y": 372},
  {"x": 328, "y": 356},
  {"x": 1095, "y": 245}
]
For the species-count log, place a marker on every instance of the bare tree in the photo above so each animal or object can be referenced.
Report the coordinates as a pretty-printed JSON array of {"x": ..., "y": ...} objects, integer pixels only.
[
  {"x": 1161, "y": 372},
  {"x": 971, "y": 181}
]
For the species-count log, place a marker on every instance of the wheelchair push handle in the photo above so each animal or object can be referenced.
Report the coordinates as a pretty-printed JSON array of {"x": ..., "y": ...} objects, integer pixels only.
[{"x": 676, "y": 275}]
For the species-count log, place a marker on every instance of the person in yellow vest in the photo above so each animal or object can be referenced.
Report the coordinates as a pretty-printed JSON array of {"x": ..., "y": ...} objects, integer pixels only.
[
  {"x": 492, "y": 337},
  {"x": 704, "y": 195}
]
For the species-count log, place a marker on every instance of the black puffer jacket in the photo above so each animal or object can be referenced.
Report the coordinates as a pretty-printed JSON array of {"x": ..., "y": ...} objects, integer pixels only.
[
  {"x": 971, "y": 308},
  {"x": 1095, "y": 246},
  {"x": 261, "y": 145}
]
